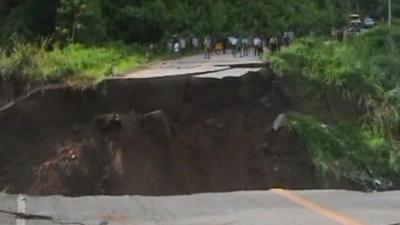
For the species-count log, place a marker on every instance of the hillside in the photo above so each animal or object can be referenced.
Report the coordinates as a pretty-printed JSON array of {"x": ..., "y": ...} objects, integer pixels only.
[{"x": 151, "y": 20}]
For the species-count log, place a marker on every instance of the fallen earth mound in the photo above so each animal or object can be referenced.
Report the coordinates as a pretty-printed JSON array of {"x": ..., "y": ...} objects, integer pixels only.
[{"x": 159, "y": 136}]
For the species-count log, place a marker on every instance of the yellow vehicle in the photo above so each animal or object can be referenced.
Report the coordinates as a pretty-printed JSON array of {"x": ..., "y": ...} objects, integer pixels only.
[
  {"x": 355, "y": 19},
  {"x": 219, "y": 47},
  {"x": 355, "y": 23}
]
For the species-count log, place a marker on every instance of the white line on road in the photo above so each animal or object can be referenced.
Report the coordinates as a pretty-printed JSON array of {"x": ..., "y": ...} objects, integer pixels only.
[{"x": 21, "y": 208}]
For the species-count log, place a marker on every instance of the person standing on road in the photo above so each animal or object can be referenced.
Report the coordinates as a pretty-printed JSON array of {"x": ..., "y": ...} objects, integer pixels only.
[
  {"x": 182, "y": 45},
  {"x": 263, "y": 45},
  {"x": 207, "y": 48},
  {"x": 245, "y": 46},
  {"x": 195, "y": 44},
  {"x": 340, "y": 34},
  {"x": 279, "y": 43},
  {"x": 284, "y": 38},
  {"x": 240, "y": 47},
  {"x": 170, "y": 46},
  {"x": 175, "y": 46},
  {"x": 257, "y": 45},
  {"x": 225, "y": 45},
  {"x": 234, "y": 44},
  {"x": 273, "y": 44},
  {"x": 291, "y": 36}
]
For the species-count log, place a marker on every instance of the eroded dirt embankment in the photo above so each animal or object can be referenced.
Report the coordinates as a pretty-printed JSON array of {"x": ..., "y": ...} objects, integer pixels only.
[{"x": 158, "y": 136}]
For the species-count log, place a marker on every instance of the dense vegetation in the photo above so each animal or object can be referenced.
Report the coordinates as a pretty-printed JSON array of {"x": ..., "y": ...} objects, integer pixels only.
[
  {"x": 29, "y": 64},
  {"x": 364, "y": 70},
  {"x": 94, "y": 21},
  {"x": 94, "y": 24}
]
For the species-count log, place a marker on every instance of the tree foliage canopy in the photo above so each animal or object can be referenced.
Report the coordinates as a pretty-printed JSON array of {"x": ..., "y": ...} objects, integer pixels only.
[{"x": 149, "y": 20}]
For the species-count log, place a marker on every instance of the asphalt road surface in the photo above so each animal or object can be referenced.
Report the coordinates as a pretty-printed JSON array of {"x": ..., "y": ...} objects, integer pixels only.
[
  {"x": 274, "y": 207},
  {"x": 219, "y": 66}
]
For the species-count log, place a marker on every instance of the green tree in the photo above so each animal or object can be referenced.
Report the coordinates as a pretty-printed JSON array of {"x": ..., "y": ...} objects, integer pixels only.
[
  {"x": 93, "y": 21},
  {"x": 27, "y": 19},
  {"x": 80, "y": 20}
]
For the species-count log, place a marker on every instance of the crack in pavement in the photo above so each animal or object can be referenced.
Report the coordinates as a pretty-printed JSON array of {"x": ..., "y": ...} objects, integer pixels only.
[
  {"x": 67, "y": 223},
  {"x": 25, "y": 216}
]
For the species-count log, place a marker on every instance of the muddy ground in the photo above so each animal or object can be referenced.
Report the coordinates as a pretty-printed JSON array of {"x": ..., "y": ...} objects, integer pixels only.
[{"x": 160, "y": 136}]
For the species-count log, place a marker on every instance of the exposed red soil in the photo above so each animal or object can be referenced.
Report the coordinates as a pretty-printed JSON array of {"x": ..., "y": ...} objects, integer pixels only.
[{"x": 160, "y": 136}]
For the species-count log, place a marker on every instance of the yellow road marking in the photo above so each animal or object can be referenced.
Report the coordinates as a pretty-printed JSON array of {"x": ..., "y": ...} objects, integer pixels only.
[{"x": 328, "y": 213}]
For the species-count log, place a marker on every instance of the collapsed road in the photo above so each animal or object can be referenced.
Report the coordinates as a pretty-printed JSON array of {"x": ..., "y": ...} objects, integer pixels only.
[
  {"x": 158, "y": 133},
  {"x": 217, "y": 126},
  {"x": 151, "y": 135}
]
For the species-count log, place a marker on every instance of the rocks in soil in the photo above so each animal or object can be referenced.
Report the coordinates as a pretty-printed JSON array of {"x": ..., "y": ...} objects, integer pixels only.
[
  {"x": 156, "y": 126},
  {"x": 109, "y": 123},
  {"x": 140, "y": 137},
  {"x": 279, "y": 122}
]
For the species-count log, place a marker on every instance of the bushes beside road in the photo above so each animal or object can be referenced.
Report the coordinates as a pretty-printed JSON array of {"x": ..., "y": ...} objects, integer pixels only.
[
  {"x": 29, "y": 63},
  {"x": 365, "y": 71}
]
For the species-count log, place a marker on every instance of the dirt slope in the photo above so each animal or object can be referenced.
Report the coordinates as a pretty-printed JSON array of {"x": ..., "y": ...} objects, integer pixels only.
[{"x": 158, "y": 136}]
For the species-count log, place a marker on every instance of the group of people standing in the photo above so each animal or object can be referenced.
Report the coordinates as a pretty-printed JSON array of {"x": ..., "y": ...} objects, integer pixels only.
[
  {"x": 276, "y": 42},
  {"x": 178, "y": 45},
  {"x": 240, "y": 46}
]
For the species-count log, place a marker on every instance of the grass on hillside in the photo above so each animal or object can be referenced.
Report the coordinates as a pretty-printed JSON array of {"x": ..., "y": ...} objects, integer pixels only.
[
  {"x": 348, "y": 151},
  {"x": 366, "y": 70},
  {"x": 76, "y": 64}
]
